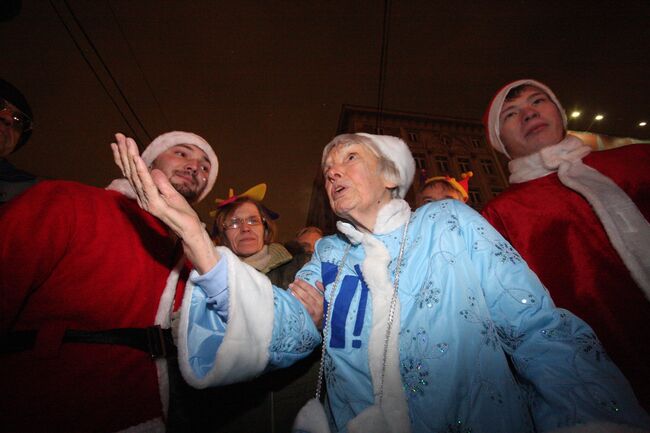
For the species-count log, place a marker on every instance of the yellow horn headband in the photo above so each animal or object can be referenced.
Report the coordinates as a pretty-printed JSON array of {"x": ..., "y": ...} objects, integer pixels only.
[{"x": 256, "y": 193}]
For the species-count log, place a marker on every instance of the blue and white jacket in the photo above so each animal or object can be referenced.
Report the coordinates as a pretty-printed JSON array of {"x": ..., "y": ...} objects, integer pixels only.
[{"x": 480, "y": 345}]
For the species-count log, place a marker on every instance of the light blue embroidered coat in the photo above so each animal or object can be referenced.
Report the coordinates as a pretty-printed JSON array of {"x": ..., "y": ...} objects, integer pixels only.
[{"x": 480, "y": 346}]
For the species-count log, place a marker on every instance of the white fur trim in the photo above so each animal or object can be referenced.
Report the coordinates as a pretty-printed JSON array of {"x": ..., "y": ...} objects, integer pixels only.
[
  {"x": 598, "y": 427},
  {"x": 397, "y": 151},
  {"x": 161, "y": 144},
  {"x": 375, "y": 273},
  {"x": 491, "y": 119},
  {"x": 122, "y": 186},
  {"x": 163, "y": 318},
  {"x": 312, "y": 418},
  {"x": 155, "y": 425},
  {"x": 370, "y": 420},
  {"x": 392, "y": 216},
  {"x": 244, "y": 351}
]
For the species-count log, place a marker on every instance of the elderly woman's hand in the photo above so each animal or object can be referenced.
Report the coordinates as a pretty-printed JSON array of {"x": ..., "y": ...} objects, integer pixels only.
[
  {"x": 311, "y": 297},
  {"x": 156, "y": 195}
]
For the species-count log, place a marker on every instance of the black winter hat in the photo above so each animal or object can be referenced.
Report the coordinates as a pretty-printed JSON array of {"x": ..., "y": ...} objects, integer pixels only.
[{"x": 13, "y": 95}]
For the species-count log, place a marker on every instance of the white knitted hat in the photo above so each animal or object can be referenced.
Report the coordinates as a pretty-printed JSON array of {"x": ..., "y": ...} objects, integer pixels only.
[
  {"x": 491, "y": 116},
  {"x": 396, "y": 150},
  {"x": 161, "y": 144}
]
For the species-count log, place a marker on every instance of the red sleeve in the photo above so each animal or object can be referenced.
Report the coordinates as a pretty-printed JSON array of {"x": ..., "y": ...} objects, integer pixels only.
[{"x": 35, "y": 231}]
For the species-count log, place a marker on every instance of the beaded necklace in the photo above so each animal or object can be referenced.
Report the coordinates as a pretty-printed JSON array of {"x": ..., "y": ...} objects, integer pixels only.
[{"x": 391, "y": 313}]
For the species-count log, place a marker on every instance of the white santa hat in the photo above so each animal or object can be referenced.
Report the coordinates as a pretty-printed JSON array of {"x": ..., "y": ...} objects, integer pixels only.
[
  {"x": 393, "y": 149},
  {"x": 491, "y": 116},
  {"x": 161, "y": 144}
]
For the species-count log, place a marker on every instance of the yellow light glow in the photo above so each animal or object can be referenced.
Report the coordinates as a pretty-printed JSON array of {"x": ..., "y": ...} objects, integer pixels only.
[
  {"x": 599, "y": 117},
  {"x": 575, "y": 114},
  {"x": 643, "y": 123}
]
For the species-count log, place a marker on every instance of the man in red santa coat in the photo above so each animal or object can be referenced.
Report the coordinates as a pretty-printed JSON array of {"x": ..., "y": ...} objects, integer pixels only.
[
  {"x": 580, "y": 220},
  {"x": 88, "y": 283}
]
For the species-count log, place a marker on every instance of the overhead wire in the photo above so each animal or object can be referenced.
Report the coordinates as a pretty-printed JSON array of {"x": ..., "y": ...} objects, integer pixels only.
[
  {"x": 383, "y": 62},
  {"x": 96, "y": 73},
  {"x": 107, "y": 69},
  {"x": 137, "y": 63}
]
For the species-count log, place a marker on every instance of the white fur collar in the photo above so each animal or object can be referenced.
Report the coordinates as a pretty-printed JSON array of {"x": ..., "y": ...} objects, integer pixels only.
[
  {"x": 547, "y": 160},
  {"x": 394, "y": 409},
  {"x": 390, "y": 217}
]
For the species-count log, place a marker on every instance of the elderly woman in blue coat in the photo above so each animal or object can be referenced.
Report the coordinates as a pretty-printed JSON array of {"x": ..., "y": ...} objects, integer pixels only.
[{"x": 433, "y": 322}]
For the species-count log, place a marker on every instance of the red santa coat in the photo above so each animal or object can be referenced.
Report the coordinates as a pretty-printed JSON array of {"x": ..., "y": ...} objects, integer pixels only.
[
  {"x": 79, "y": 257},
  {"x": 559, "y": 235}
]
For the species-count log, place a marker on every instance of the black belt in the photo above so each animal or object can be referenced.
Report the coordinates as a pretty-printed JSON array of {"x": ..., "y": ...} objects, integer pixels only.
[{"x": 153, "y": 340}]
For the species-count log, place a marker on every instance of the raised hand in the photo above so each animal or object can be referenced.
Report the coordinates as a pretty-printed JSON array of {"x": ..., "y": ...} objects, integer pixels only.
[{"x": 156, "y": 195}]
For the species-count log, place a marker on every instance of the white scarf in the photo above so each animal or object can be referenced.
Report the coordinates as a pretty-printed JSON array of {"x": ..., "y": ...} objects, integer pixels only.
[{"x": 627, "y": 229}]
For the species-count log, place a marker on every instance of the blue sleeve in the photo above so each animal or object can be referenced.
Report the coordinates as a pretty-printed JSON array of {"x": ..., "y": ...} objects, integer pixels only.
[
  {"x": 293, "y": 334},
  {"x": 214, "y": 284},
  {"x": 556, "y": 355}
]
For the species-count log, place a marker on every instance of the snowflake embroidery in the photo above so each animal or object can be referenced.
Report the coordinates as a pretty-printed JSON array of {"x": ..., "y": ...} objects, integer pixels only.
[
  {"x": 509, "y": 337},
  {"x": 427, "y": 296},
  {"x": 414, "y": 375},
  {"x": 589, "y": 344},
  {"x": 504, "y": 252},
  {"x": 414, "y": 367},
  {"x": 452, "y": 224},
  {"x": 293, "y": 336},
  {"x": 329, "y": 370},
  {"x": 488, "y": 330}
]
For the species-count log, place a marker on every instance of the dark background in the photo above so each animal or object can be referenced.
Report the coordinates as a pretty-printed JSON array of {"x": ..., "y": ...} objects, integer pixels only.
[{"x": 264, "y": 81}]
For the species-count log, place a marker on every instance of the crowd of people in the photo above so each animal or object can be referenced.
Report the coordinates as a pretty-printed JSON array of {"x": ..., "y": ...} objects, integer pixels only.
[{"x": 123, "y": 313}]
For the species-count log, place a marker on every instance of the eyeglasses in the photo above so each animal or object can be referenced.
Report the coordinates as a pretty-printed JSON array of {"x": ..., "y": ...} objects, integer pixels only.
[
  {"x": 19, "y": 120},
  {"x": 236, "y": 223}
]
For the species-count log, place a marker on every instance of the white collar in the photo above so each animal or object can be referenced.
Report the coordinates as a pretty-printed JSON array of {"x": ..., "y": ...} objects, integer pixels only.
[
  {"x": 391, "y": 216},
  {"x": 547, "y": 160}
]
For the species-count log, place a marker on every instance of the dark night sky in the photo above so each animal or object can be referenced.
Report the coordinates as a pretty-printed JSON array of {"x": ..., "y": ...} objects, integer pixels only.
[{"x": 264, "y": 82}]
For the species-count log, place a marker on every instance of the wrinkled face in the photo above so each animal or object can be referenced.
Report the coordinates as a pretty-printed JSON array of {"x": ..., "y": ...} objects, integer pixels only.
[
  {"x": 530, "y": 122},
  {"x": 355, "y": 187},
  {"x": 246, "y": 239},
  {"x": 308, "y": 240},
  {"x": 9, "y": 131},
  {"x": 437, "y": 191},
  {"x": 187, "y": 167}
]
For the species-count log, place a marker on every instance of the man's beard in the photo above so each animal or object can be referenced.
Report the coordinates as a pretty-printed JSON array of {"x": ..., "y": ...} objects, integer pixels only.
[{"x": 190, "y": 194}]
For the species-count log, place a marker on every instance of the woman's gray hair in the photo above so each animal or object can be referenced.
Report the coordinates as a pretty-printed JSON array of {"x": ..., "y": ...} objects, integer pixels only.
[{"x": 387, "y": 167}]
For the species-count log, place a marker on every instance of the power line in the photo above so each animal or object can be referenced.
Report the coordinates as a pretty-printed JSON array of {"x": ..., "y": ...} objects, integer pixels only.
[
  {"x": 92, "y": 69},
  {"x": 96, "y": 74},
  {"x": 144, "y": 77},
  {"x": 108, "y": 71},
  {"x": 383, "y": 62}
]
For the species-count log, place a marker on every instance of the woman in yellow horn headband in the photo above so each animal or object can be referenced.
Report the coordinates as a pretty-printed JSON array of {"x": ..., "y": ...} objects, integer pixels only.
[{"x": 268, "y": 403}]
